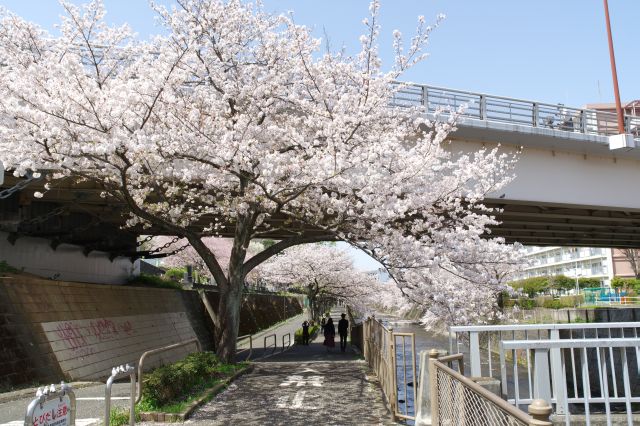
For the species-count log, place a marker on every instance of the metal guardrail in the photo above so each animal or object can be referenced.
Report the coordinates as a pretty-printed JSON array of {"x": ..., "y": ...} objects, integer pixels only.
[
  {"x": 144, "y": 356},
  {"x": 593, "y": 385},
  {"x": 514, "y": 111},
  {"x": 457, "y": 400},
  {"x": 119, "y": 373}
]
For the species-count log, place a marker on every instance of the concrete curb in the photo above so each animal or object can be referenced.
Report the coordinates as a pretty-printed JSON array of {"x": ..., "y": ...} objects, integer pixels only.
[
  {"x": 208, "y": 395},
  {"x": 31, "y": 392}
]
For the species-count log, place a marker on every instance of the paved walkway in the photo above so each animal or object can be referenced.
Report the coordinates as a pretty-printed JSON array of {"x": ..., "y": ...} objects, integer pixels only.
[
  {"x": 284, "y": 336},
  {"x": 302, "y": 386}
]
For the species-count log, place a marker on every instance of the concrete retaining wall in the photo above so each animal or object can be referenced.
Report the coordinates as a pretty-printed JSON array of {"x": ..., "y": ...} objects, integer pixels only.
[
  {"x": 50, "y": 330},
  {"x": 67, "y": 262}
]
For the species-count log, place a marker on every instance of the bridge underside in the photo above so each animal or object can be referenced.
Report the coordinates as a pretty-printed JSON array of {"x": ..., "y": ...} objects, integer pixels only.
[
  {"x": 77, "y": 215},
  {"x": 543, "y": 224}
]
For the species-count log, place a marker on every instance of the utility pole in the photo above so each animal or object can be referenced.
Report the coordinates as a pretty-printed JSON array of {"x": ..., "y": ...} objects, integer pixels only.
[{"x": 614, "y": 73}]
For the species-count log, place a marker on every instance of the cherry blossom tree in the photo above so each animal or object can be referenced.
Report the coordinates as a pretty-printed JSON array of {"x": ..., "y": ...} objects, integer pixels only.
[
  {"x": 234, "y": 123},
  {"x": 327, "y": 273}
]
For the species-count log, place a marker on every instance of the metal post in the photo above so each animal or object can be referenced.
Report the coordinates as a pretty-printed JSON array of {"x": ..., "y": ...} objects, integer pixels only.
[
  {"x": 118, "y": 373},
  {"x": 474, "y": 352},
  {"x": 541, "y": 379},
  {"x": 556, "y": 372},
  {"x": 393, "y": 396},
  {"x": 540, "y": 410},
  {"x": 433, "y": 385},
  {"x": 614, "y": 73}
]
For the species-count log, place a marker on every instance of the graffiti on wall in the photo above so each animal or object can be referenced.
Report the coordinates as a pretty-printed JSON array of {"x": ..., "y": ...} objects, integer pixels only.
[
  {"x": 88, "y": 348},
  {"x": 81, "y": 337}
]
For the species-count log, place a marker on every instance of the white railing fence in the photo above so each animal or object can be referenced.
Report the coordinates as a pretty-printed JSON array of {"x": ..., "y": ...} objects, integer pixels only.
[
  {"x": 507, "y": 353},
  {"x": 516, "y": 111},
  {"x": 594, "y": 375}
]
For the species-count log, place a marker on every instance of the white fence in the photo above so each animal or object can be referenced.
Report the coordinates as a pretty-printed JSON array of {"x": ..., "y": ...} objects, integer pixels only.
[
  {"x": 592, "y": 372},
  {"x": 565, "y": 352}
]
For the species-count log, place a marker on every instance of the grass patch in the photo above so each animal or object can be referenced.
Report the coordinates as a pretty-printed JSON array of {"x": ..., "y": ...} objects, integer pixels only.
[
  {"x": 173, "y": 388},
  {"x": 120, "y": 416},
  {"x": 5, "y": 267}
]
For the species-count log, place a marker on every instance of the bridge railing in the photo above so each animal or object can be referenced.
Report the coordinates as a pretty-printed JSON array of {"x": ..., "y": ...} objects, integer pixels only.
[
  {"x": 596, "y": 375},
  {"x": 514, "y": 111}
]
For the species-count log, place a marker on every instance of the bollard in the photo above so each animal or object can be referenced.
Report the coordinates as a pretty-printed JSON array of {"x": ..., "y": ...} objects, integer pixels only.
[
  {"x": 119, "y": 372},
  {"x": 540, "y": 410}
]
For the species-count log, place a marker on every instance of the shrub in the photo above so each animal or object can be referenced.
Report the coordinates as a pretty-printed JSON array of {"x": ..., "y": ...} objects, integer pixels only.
[
  {"x": 175, "y": 274},
  {"x": 571, "y": 301},
  {"x": 525, "y": 303},
  {"x": 559, "y": 303},
  {"x": 170, "y": 382},
  {"x": 589, "y": 282},
  {"x": 562, "y": 282},
  {"x": 628, "y": 283},
  {"x": 540, "y": 300},
  {"x": 531, "y": 286},
  {"x": 313, "y": 331},
  {"x": 553, "y": 304},
  {"x": 5, "y": 267},
  {"x": 144, "y": 280}
]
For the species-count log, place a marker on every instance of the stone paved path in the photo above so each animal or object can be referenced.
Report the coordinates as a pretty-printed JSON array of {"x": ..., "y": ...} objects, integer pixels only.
[{"x": 302, "y": 386}]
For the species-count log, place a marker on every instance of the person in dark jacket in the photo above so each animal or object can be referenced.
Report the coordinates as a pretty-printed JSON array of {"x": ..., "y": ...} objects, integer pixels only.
[
  {"x": 329, "y": 334},
  {"x": 343, "y": 330},
  {"x": 305, "y": 333}
]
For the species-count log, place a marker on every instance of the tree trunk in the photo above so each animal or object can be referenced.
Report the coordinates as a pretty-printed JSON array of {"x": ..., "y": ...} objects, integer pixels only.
[{"x": 228, "y": 319}]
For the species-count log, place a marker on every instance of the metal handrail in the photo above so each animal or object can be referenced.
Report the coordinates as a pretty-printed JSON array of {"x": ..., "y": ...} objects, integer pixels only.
[
  {"x": 250, "y": 337},
  {"x": 275, "y": 342},
  {"x": 158, "y": 350},
  {"x": 569, "y": 344},
  {"x": 288, "y": 341},
  {"x": 484, "y": 393},
  {"x": 520, "y": 327}
]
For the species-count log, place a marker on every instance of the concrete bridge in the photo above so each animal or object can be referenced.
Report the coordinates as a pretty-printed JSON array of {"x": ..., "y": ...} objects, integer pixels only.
[{"x": 577, "y": 183}]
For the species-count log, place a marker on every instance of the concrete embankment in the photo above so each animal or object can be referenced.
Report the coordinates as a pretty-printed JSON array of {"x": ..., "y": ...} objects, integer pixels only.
[{"x": 53, "y": 330}]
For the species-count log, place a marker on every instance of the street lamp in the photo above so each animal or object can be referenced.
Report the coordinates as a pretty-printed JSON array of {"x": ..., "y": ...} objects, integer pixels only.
[
  {"x": 577, "y": 282},
  {"x": 614, "y": 72}
]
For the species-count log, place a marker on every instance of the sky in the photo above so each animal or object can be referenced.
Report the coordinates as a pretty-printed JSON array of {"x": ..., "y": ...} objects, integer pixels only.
[{"x": 552, "y": 51}]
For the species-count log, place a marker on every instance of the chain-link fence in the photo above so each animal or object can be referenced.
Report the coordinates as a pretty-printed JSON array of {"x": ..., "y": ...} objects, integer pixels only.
[{"x": 458, "y": 401}]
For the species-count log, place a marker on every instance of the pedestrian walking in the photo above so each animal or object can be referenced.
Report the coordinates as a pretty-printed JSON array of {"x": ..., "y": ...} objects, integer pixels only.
[
  {"x": 305, "y": 333},
  {"x": 329, "y": 334},
  {"x": 323, "y": 322},
  {"x": 343, "y": 330}
]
